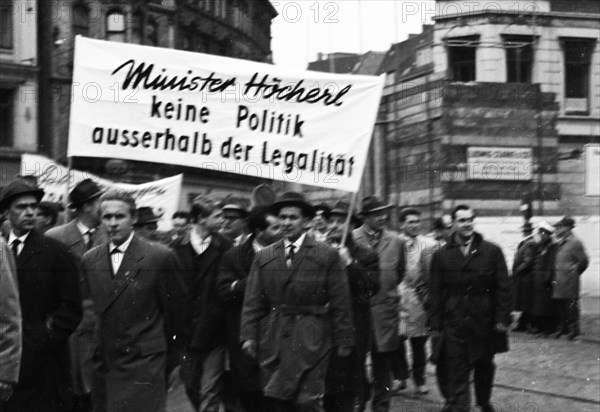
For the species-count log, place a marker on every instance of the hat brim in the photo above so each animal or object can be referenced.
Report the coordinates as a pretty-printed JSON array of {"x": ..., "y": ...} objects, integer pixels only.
[
  {"x": 37, "y": 193},
  {"x": 307, "y": 209},
  {"x": 377, "y": 209},
  {"x": 73, "y": 205}
]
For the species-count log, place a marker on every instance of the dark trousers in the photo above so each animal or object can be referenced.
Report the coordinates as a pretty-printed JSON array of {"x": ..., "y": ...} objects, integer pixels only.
[
  {"x": 254, "y": 402},
  {"x": 342, "y": 402},
  {"x": 484, "y": 369},
  {"x": 297, "y": 406},
  {"x": 568, "y": 316},
  {"x": 419, "y": 360},
  {"x": 382, "y": 379}
]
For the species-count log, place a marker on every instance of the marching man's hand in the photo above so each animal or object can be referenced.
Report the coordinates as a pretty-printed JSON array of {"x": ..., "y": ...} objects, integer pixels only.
[
  {"x": 345, "y": 256},
  {"x": 501, "y": 327},
  {"x": 249, "y": 348}
]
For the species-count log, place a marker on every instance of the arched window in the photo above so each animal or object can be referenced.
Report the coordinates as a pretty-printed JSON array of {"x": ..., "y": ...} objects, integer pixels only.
[
  {"x": 81, "y": 20},
  {"x": 115, "y": 26}
]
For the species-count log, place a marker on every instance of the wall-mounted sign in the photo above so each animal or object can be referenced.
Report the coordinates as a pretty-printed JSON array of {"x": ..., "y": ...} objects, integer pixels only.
[{"x": 500, "y": 163}]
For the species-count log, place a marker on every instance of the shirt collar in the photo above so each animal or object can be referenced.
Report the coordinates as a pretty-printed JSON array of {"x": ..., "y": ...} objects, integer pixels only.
[
  {"x": 83, "y": 228},
  {"x": 199, "y": 244},
  {"x": 123, "y": 247},
  {"x": 257, "y": 246},
  {"x": 297, "y": 243},
  {"x": 12, "y": 237}
]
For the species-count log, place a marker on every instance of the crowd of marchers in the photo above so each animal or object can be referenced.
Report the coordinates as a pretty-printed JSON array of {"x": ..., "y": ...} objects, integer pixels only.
[{"x": 283, "y": 306}]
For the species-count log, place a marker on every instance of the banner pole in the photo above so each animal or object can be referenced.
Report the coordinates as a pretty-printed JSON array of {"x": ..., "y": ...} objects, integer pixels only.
[
  {"x": 68, "y": 185},
  {"x": 347, "y": 224}
]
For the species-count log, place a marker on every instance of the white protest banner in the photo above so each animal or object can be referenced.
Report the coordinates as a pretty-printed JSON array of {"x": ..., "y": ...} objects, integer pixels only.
[
  {"x": 229, "y": 115},
  {"x": 162, "y": 195}
]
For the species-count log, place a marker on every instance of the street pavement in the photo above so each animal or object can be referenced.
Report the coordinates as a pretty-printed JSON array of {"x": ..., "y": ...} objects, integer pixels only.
[{"x": 538, "y": 374}]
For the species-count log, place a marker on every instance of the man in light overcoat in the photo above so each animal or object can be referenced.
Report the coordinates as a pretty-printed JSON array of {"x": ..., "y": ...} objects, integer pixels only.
[{"x": 296, "y": 311}]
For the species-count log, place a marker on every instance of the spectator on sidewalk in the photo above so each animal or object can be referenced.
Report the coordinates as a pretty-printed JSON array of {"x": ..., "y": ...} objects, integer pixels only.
[
  {"x": 470, "y": 299},
  {"x": 570, "y": 262}
]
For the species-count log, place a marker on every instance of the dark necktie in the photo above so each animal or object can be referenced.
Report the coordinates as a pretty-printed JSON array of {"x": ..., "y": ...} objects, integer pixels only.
[
  {"x": 374, "y": 239},
  {"x": 15, "y": 247},
  {"x": 115, "y": 251},
  {"x": 291, "y": 255},
  {"x": 90, "y": 239}
]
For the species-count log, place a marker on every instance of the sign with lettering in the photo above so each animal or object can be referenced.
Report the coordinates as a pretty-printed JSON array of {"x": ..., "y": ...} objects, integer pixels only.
[
  {"x": 229, "y": 115},
  {"x": 592, "y": 170},
  {"x": 500, "y": 163},
  {"x": 56, "y": 180}
]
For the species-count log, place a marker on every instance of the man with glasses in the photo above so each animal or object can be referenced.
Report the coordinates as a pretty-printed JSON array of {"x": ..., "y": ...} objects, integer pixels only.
[
  {"x": 235, "y": 225},
  {"x": 470, "y": 300}
]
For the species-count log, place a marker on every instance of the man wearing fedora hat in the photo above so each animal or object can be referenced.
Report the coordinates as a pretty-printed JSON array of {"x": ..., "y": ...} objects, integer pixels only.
[
  {"x": 79, "y": 236},
  {"x": 346, "y": 384},
  {"x": 571, "y": 261},
  {"x": 385, "y": 310},
  {"x": 147, "y": 223},
  {"x": 50, "y": 305},
  {"x": 296, "y": 310}
]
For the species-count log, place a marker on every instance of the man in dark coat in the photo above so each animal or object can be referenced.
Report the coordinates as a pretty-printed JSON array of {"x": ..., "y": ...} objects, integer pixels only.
[
  {"x": 231, "y": 285},
  {"x": 470, "y": 303},
  {"x": 50, "y": 305},
  {"x": 137, "y": 298},
  {"x": 296, "y": 311},
  {"x": 346, "y": 386},
  {"x": 571, "y": 260},
  {"x": 200, "y": 252},
  {"x": 79, "y": 236}
]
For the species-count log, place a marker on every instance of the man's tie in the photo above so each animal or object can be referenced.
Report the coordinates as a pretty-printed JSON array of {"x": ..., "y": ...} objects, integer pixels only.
[
  {"x": 291, "y": 255},
  {"x": 116, "y": 255},
  {"x": 15, "y": 247},
  {"x": 90, "y": 239}
]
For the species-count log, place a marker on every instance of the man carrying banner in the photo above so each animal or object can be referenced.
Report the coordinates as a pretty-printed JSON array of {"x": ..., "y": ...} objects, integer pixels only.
[
  {"x": 296, "y": 311},
  {"x": 79, "y": 236}
]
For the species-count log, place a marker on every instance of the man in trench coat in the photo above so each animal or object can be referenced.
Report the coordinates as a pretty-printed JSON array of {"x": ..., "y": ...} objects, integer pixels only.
[
  {"x": 137, "y": 294},
  {"x": 296, "y": 311},
  {"x": 470, "y": 303}
]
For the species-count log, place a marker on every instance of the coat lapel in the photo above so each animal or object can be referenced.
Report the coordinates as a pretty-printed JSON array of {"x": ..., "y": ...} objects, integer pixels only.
[
  {"x": 305, "y": 249},
  {"x": 30, "y": 249},
  {"x": 128, "y": 270}
]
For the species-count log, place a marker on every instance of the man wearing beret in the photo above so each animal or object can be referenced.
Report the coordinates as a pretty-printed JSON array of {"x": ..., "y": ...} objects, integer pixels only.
[
  {"x": 50, "y": 305},
  {"x": 296, "y": 311},
  {"x": 571, "y": 261},
  {"x": 80, "y": 235}
]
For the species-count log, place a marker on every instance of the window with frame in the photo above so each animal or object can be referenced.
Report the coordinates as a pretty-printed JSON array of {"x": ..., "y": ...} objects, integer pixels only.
[
  {"x": 462, "y": 54},
  {"x": 115, "y": 26},
  {"x": 519, "y": 58},
  {"x": 81, "y": 20},
  {"x": 6, "y": 25},
  {"x": 7, "y": 107},
  {"x": 151, "y": 32},
  {"x": 578, "y": 58}
]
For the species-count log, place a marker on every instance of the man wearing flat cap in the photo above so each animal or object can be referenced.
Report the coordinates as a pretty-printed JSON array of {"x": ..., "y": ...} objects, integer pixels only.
[
  {"x": 385, "y": 309},
  {"x": 79, "y": 236},
  {"x": 235, "y": 224},
  {"x": 296, "y": 311},
  {"x": 320, "y": 222},
  {"x": 48, "y": 282},
  {"x": 570, "y": 262}
]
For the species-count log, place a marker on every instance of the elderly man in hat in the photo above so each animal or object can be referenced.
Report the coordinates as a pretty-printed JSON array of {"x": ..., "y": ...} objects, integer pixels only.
[
  {"x": 533, "y": 270},
  {"x": 50, "y": 305},
  {"x": 296, "y": 311},
  {"x": 571, "y": 261},
  {"x": 385, "y": 309},
  {"x": 346, "y": 384},
  {"x": 146, "y": 224},
  {"x": 79, "y": 236}
]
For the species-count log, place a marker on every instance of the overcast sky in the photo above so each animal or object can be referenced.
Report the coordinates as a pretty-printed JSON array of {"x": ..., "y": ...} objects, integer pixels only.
[{"x": 304, "y": 28}]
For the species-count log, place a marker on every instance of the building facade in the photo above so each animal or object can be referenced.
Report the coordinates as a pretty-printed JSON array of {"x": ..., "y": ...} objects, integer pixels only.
[
  {"x": 232, "y": 28},
  {"x": 19, "y": 68},
  {"x": 491, "y": 105}
]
